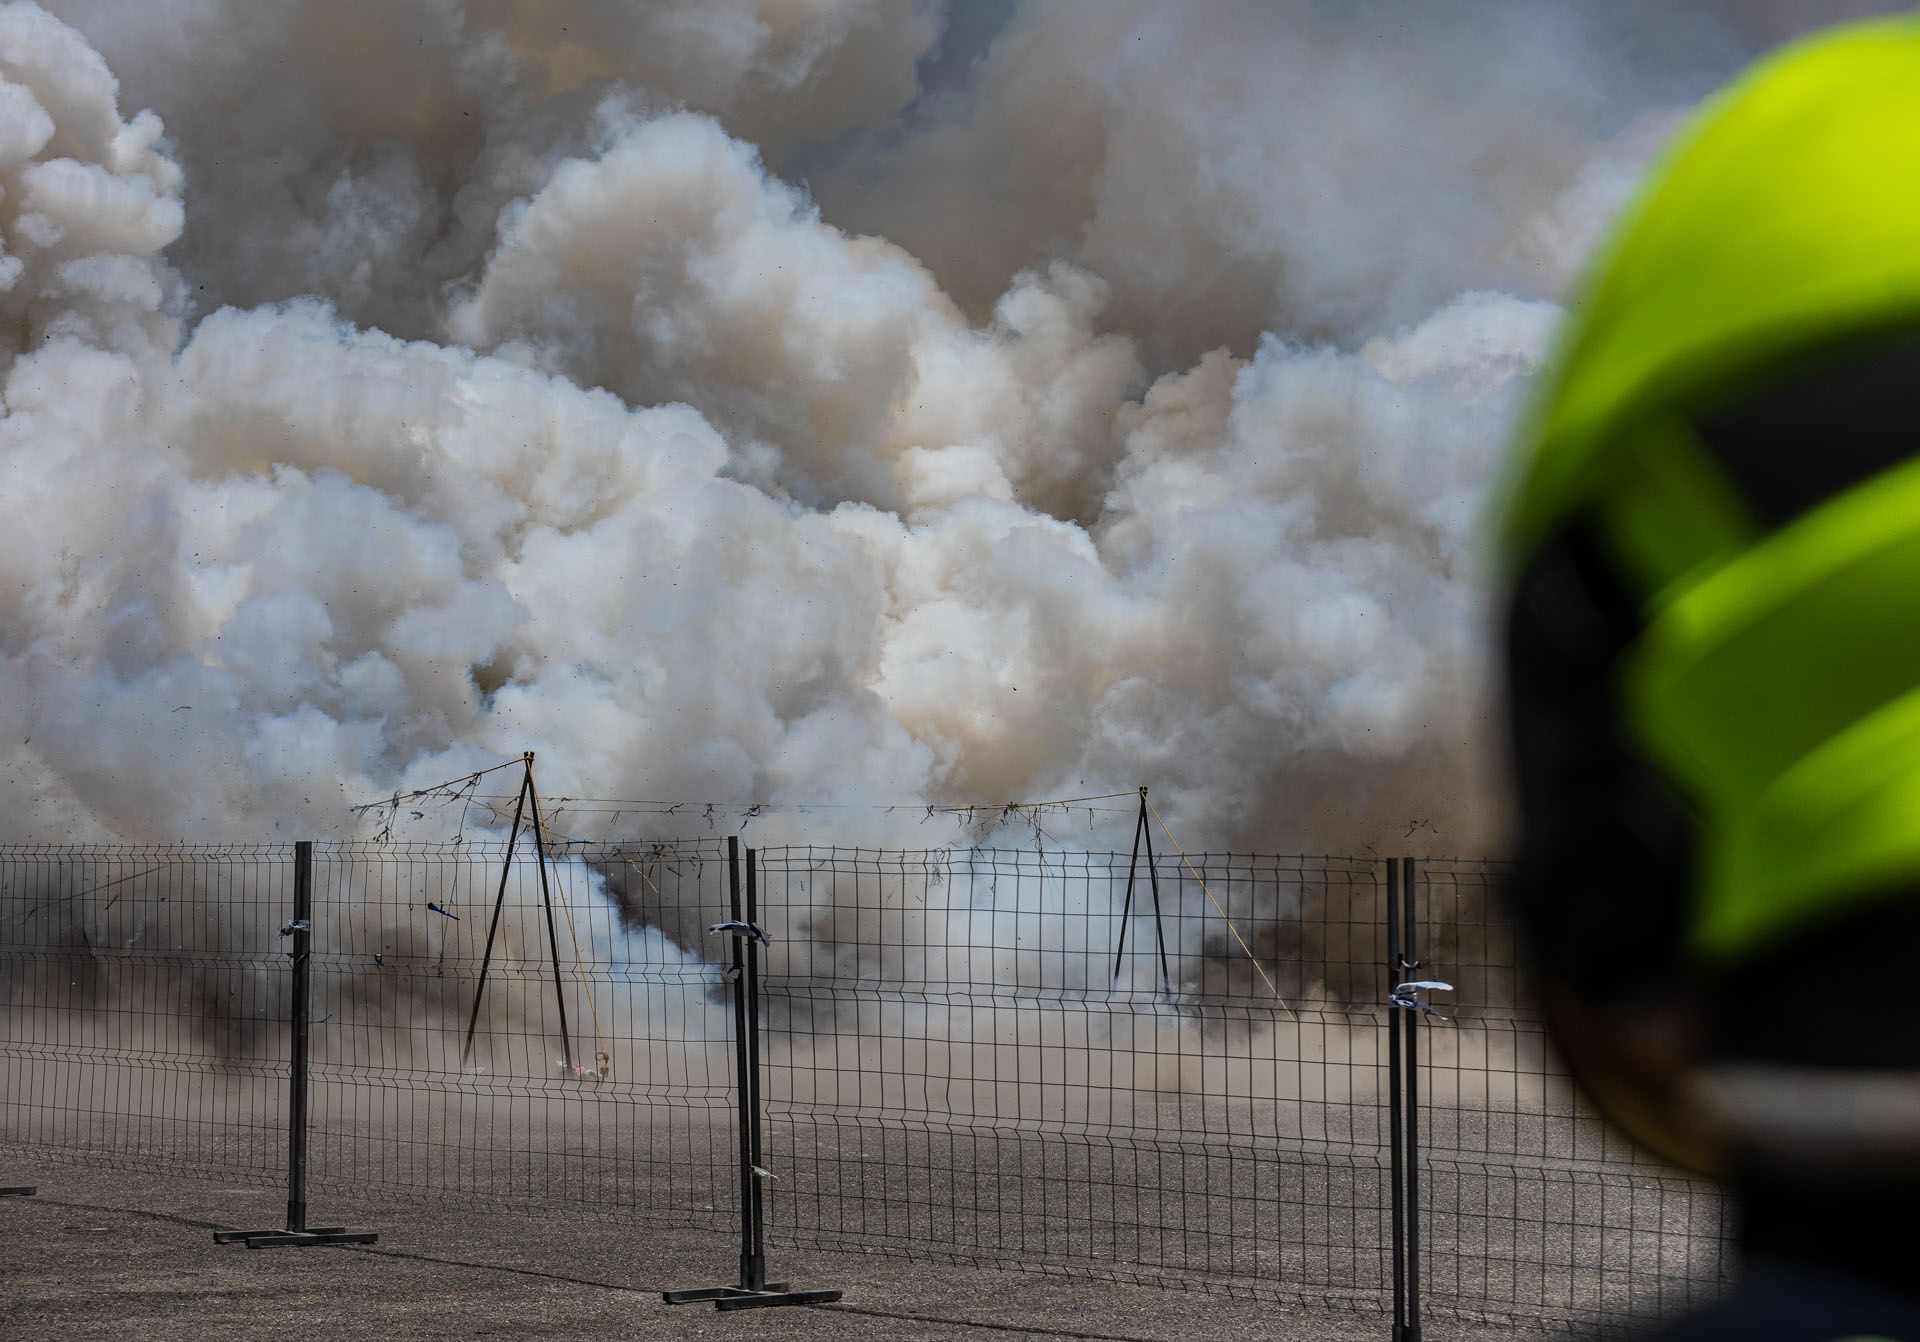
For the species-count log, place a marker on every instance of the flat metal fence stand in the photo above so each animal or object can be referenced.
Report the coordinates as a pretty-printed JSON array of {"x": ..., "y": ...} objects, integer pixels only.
[
  {"x": 18, "y": 1191},
  {"x": 1142, "y": 830},
  {"x": 297, "y": 1231},
  {"x": 754, "y": 1290}
]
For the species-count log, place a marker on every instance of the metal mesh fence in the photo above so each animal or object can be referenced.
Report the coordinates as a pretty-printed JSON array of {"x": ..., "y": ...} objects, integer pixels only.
[
  {"x": 595, "y": 1070},
  {"x": 142, "y": 994},
  {"x": 1533, "y": 1204},
  {"x": 967, "y": 1061},
  {"x": 968, "y": 1054}
]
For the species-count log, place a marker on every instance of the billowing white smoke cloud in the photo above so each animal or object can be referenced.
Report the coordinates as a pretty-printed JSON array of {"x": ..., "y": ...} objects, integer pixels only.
[
  {"x": 671, "y": 267},
  {"x": 478, "y": 388},
  {"x": 372, "y": 147}
]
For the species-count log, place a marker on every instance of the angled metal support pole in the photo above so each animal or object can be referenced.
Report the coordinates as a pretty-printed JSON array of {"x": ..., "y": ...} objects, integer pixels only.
[
  {"x": 1141, "y": 830},
  {"x": 499, "y": 903},
  {"x": 553, "y": 936},
  {"x": 1133, "y": 867},
  {"x": 1153, "y": 881}
]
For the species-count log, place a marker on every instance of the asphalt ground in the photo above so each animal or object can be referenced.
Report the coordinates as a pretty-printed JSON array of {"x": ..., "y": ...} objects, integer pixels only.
[
  {"x": 1502, "y": 1235},
  {"x": 1169, "y": 1195},
  {"x": 119, "y": 1253}
]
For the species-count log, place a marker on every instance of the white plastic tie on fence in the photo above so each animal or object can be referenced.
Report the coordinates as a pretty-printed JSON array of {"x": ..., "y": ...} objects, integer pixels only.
[
  {"x": 1407, "y": 996},
  {"x": 738, "y": 928}
]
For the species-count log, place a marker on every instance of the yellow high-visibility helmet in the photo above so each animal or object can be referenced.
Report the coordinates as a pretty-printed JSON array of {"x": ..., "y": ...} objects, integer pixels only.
[{"x": 1711, "y": 535}]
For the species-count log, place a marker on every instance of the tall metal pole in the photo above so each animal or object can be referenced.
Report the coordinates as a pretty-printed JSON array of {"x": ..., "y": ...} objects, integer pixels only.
[
  {"x": 1412, "y": 960},
  {"x": 742, "y": 1032},
  {"x": 753, "y": 1291},
  {"x": 757, "y": 1276},
  {"x": 1393, "y": 1102},
  {"x": 297, "y": 1231},
  {"x": 302, "y": 928},
  {"x": 553, "y": 935}
]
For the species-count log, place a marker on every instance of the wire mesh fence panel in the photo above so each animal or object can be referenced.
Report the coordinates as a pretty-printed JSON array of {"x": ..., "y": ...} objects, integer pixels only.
[
  {"x": 1533, "y": 1205},
  {"x": 1170, "y": 1070},
  {"x": 143, "y": 995},
  {"x": 488, "y": 1031},
  {"x": 967, "y": 1059}
]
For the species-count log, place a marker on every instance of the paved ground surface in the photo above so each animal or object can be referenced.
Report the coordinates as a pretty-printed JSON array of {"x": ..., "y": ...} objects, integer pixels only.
[{"x": 112, "y": 1253}]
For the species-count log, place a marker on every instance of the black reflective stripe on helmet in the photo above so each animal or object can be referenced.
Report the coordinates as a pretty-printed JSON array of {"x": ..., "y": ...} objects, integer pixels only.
[
  {"x": 1604, "y": 874},
  {"x": 1818, "y": 426}
]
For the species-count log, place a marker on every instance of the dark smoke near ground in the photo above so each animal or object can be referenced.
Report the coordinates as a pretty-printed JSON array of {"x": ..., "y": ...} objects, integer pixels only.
[{"x": 832, "y": 402}]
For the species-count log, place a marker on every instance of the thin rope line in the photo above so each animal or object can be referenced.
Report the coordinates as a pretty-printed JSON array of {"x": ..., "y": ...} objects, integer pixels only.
[
  {"x": 1251, "y": 957},
  {"x": 593, "y": 1007},
  {"x": 82, "y": 894},
  {"x": 938, "y": 808},
  {"x": 463, "y": 781},
  {"x": 1068, "y": 801}
]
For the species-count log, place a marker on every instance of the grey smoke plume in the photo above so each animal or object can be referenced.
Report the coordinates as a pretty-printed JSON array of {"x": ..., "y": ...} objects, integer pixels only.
[{"x": 753, "y": 401}]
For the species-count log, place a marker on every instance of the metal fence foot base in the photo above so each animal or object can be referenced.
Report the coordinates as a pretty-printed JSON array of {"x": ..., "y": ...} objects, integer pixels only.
[
  {"x": 266, "y": 1239},
  {"x": 770, "y": 1299},
  {"x": 739, "y": 1297},
  {"x": 18, "y": 1191},
  {"x": 695, "y": 1296}
]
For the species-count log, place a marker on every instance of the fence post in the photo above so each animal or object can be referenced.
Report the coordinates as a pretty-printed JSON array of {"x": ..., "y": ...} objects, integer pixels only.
[
  {"x": 754, "y": 1291},
  {"x": 1409, "y": 885},
  {"x": 1404, "y": 994},
  {"x": 1395, "y": 1118},
  {"x": 757, "y": 1169},
  {"x": 297, "y": 1231},
  {"x": 302, "y": 1016},
  {"x": 743, "y": 1030}
]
